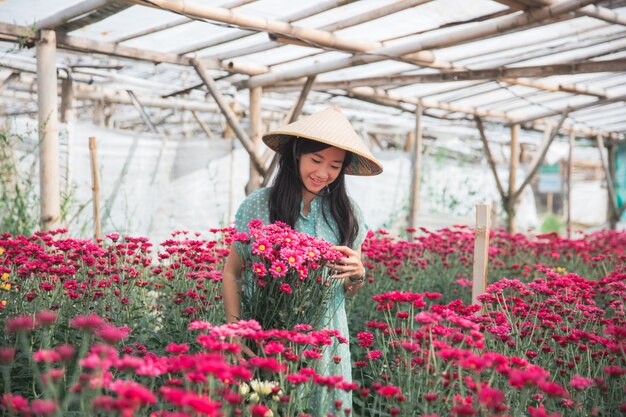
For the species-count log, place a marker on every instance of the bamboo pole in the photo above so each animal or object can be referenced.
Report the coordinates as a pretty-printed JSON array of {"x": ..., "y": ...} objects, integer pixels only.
[
  {"x": 256, "y": 126},
  {"x": 18, "y": 33},
  {"x": 481, "y": 252},
  {"x": 203, "y": 125},
  {"x": 490, "y": 160},
  {"x": 570, "y": 162},
  {"x": 416, "y": 168},
  {"x": 196, "y": 8},
  {"x": 395, "y": 100},
  {"x": 610, "y": 184},
  {"x": 50, "y": 193},
  {"x": 95, "y": 187},
  {"x": 70, "y": 13},
  {"x": 230, "y": 116},
  {"x": 142, "y": 111},
  {"x": 602, "y": 13},
  {"x": 550, "y": 113},
  {"x": 68, "y": 116},
  {"x": 368, "y": 16},
  {"x": 504, "y": 73},
  {"x": 513, "y": 163},
  {"x": 423, "y": 44},
  {"x": 292, "y": 117},
  {"x": 539, "y": 160}
]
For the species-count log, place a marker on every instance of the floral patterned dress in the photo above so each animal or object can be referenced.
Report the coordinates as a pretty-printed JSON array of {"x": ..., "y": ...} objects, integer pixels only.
[{"x": 255, "y": 206}]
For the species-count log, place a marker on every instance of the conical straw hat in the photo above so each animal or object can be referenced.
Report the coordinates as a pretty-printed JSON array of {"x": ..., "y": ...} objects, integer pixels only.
[{"x": 328, "y": 126}]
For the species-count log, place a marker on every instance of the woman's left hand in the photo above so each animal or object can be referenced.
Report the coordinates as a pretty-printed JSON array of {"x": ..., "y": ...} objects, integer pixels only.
[{"x": 350, "y": 265}]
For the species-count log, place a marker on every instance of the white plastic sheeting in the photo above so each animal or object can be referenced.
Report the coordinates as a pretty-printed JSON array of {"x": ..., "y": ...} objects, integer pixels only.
[{"x": 151, "y": 185}]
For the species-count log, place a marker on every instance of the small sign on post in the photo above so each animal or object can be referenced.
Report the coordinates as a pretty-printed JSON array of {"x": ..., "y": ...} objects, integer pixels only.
[
  {"x": 481, "y": 251},
  {"x": 550, "y": 180}
]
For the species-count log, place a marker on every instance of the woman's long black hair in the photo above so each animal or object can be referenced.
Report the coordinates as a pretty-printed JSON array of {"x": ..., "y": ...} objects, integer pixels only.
[{"x": 285, "y": 195}]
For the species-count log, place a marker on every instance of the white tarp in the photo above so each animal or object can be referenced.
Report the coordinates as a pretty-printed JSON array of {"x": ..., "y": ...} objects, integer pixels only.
[{"x": 151, "y": 186}]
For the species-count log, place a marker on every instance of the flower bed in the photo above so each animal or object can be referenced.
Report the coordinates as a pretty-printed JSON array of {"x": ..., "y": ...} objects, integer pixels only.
[{"x": 112, "y": 329}]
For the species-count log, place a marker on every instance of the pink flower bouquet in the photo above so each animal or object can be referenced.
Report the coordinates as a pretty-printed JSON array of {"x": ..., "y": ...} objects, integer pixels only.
[{"x": 291, "y": 283}]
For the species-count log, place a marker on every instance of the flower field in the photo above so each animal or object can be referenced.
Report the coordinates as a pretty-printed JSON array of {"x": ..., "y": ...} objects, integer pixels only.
[{"x": 126, "y": 328}]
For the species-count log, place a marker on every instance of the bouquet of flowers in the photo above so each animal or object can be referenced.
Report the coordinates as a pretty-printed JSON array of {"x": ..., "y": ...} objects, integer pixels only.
[{"x": 291, "y": 282}]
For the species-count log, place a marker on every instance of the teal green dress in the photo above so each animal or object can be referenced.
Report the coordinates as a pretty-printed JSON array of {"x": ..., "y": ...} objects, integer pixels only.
[{"x": 255, "y": 206}]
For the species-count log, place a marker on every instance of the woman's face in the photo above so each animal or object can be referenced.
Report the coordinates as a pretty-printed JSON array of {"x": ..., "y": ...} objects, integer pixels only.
[{"x": 319, "y": 169}]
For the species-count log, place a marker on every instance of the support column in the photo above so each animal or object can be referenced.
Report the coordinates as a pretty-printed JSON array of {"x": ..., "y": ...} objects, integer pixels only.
[
  {"x": 49, "y": 179},
  {"x": 416, "y": 168},
  {"x": 256, "y": 125},
  {"x": 570, "y": 162},
  {"x": 610, "y": 154},
  {"x": 68, "y": 116},
  {"x": 513, "y": 163}
]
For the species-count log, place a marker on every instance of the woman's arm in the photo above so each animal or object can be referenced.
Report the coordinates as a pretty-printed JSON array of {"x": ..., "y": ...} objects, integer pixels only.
[
  {"x": 231, "y": 286},
  {"x": 350, "y": 269}
]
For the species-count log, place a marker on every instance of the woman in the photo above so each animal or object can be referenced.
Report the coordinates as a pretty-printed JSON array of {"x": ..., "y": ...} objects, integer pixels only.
[{"x": 309, "y": 194}]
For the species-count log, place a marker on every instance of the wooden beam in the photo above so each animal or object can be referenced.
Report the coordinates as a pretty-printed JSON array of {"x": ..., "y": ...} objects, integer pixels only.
[
  {"x": 602, "y": 13},
  {"x": 503, "y": 73},
  {"x": 49, "y": 178},
  {"x": 490, "y": 160},
  {"x": 230, "y": 116},
  {"x": 17, "y": 33},
  {"x": 542, "y": 154},
  {"x": 154, "y": 29},
  {"x": 550, "y": 113},
  {"x": 422, "y": 44},
  {"x": 72, "y": 12},
  {"x": 368, "y": 16},
  {"x": 245, "y": 21}
]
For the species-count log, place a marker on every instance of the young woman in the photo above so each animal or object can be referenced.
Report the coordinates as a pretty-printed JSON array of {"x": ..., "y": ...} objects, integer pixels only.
[{"x": 309, "y": 194}]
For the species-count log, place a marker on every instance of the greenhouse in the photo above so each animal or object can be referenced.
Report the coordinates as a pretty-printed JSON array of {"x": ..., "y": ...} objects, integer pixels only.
[{"x": 313, "y": 208}]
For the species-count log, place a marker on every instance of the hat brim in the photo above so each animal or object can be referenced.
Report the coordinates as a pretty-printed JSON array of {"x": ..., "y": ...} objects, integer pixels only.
[{"x": 361, "y": 164}]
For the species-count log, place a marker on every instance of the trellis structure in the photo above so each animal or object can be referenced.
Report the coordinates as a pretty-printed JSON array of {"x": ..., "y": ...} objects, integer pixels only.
[{"x": 558, "y": 66}]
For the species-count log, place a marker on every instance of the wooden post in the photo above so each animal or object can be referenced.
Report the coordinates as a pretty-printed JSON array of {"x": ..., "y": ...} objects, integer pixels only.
[
  {"x": 416, "y": 168},
  {"x": 97, "y": 229},
  {"x": 68, "y": 117},
  {"x": 510, "y": 206},
  {"x": 256, "y": 125},
  {"x": 610, "y": 160},
  {"x": 570, "y": 162},
  {"x": 50, "y": 184},
  {"x": 610, "y": 184},
  {"x": 550, "y": 203},
  {"x": 481, "y": 251}
]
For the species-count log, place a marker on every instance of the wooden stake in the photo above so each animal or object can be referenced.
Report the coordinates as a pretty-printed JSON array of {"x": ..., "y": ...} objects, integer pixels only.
[
  {"x": 513, "y": 163},
  {"x": 97, "y": 229},
  {"x": 416, "y": 168},
  {"x": 481, "y": 251},
  {"x": 256, "y": 126},
  {"x": 49, "y": 178}
]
